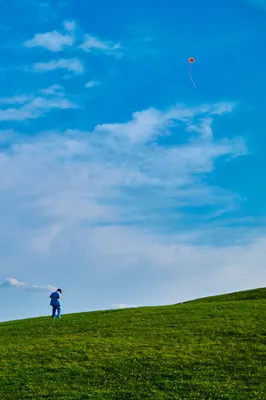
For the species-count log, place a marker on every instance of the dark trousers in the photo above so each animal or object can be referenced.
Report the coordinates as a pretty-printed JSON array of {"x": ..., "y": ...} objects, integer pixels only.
[{"x": 58, "y": 309}]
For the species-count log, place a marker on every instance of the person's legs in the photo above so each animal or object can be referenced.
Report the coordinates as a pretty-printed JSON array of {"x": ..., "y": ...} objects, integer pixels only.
[
  {"x": 54, "y": 311},
  {"x": 58, "y": 311}
]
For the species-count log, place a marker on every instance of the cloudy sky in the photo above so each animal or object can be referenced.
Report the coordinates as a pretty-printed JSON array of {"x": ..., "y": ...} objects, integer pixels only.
[{"x": 120, "y": 182}]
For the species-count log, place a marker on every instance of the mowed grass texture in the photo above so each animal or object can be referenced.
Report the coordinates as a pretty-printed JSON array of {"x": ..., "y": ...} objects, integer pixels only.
[{"x": 196, "y": 350}]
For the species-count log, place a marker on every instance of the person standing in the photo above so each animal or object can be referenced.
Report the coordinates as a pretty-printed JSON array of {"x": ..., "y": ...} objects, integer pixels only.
[{"x": 56, "y": 303}]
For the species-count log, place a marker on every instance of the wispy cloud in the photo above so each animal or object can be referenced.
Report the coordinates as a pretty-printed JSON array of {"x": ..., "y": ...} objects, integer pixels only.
[
  {"x": 151, "y": 123},
  {"x": 54, "y": 89},
  {"x": 53, "y": 41},
  {"x": 71, "y": 64},
  {"x": 93, "y": 43},
  {"x": 204, "y": 128},
  {"x": 70, "y": 26},
  {"x": 56, "y": 41},
  {"x": 103, "y": 170},
  {"x": 143, "y": 126},
  {"x": 11, "y": 282},
  {"x": 19, "y": 99},
  {"x": 91, "y": 84},
  {"x": 34, "y": 106}
]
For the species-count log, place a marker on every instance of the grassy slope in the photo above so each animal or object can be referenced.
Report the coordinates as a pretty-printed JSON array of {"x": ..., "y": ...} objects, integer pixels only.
[
  {"x": 199, "y": 350},
  {"x": 254, "y": 294}
]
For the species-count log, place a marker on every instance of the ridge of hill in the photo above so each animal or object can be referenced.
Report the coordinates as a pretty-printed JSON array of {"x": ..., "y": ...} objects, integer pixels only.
[
  {"x": 251, "y": 294},
  {"x": 202, "y": 349}
]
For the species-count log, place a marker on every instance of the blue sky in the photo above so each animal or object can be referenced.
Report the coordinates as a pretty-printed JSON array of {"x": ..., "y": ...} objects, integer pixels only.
[{"x": 120, "y": 182}]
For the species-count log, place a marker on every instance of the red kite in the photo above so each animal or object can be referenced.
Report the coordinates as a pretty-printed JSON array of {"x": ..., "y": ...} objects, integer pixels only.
[{"x": 191, "y": 61}]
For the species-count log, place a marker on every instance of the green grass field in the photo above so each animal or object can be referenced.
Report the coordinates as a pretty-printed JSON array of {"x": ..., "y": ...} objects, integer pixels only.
[{"x": 213, "y": 348}]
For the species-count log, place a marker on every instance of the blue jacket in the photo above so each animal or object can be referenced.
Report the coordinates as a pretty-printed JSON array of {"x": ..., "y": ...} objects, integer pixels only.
[{"x": 55, "y": 296}]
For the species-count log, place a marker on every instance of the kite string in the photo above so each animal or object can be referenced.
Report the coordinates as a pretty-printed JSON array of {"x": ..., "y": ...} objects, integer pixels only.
[{"x": 191, "y": 76}]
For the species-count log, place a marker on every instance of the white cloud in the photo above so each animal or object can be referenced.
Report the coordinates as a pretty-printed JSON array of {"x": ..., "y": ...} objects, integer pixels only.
[
  {"x": 91, "y": 84},
  {"x": 136, "y": 159},
  {"x": 34, "y": 109},
  {"x": 34, "y": 288},
  {"x": 71, "y": 64},
  {"x": 89, "y": 172},
  {"x": 108, "y": 206},
  {"x": 93, "y": 43},
  {"x": 204, "y": 128},
  {"x": 53, "y": 41},
  {"x": 70, "y": 26},
  {"x": 19, "y": 99},
  {"x": 144, "y": 126},
  {"x": 53, "y": 89},
  {"x": 11, "y": 282},
  {"x": 34, "y": 106},
  {"x": 151, "y": 123}
]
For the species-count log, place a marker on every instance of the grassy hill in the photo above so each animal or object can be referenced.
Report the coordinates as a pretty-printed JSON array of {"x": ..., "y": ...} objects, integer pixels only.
[
  {"x": 213, "y": 348},
  {"x": 254, "y": 294}
]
